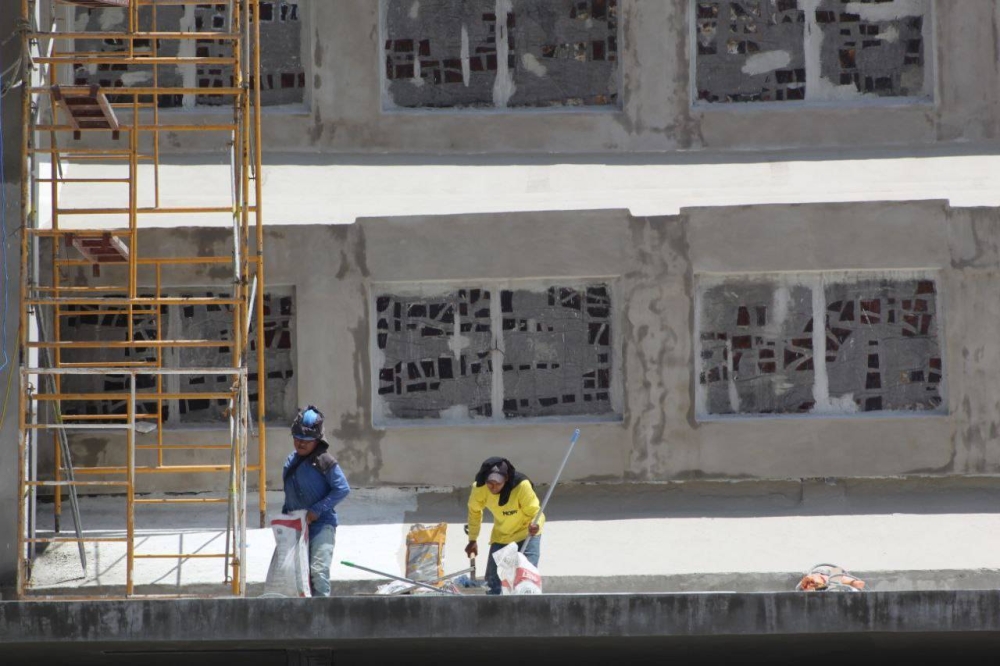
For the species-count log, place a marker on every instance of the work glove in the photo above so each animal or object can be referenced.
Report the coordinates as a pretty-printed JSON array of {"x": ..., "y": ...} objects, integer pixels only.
[{"x": 472, "y": 549}]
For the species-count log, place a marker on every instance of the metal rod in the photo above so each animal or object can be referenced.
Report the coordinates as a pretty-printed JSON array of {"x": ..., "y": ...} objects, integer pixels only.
[
  {"x": 122, "y": 344},
  {"x": 83, "y": 540},
  {"x": 156, "y": 136},
  {"x": 81, "y": 180},
  {"x": 130, "y": 494},
  {"x": 183, "y": 447},
  {"x": 60, "y": 484},
  {"x": 139, "y": 128},
  {"x": 57, "y": 468},
  {"x": 155, "y": 261},
  {"x": 258, "y": 211},
  {"x": 548, "y": 493},
  {"x": 145, "y": 211},
  {"x": 155, "y": 92},
  {"x": 100, "y": 417},
  {"x": 137, "y": 60},
  {"x": 133, "y": 205},
  {"x": 436, "y": 580},
  {"x": 133, "y": 36},
  {"x": 76, "y": 300},
  {"x": 231, "y": 495},
  {"x": 78, "y": 426},
  {"x": 235, "y": 372},
  {"x": 179, "y": 556},
  {"x": 171, "y": 3},
  {"x": 159, "y": 350},
  {"x": 242, "y": 515},
  {"x": 75, "y": 397},
  {"x": 185, "y": 500},
  {"x": 415, "y": 583},
  {"x": 169, "y": 469},
  {"x": 23, "y": 562}
]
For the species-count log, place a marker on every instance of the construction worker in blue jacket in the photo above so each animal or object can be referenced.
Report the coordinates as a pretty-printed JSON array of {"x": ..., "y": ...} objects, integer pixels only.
[{"x": 315, "y": 482}]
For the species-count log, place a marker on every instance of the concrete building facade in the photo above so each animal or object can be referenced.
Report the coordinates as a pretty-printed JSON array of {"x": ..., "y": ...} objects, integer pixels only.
[
  {"x": 624, "y": 76},
  {"x": 761, "y": 342},
  {"x": 724, "y": 343}
]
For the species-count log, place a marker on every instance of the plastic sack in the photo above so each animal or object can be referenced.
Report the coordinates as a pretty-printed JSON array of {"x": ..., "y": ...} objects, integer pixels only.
[
  {"x": 396, "y": 588},
  {"x": 392, "y": 588},
  {"x": 424, "y": 548},
  {"x": 288, "y": 575},
  {"x": 517, "y": 574},
  {"x": 830, "y": 578}
]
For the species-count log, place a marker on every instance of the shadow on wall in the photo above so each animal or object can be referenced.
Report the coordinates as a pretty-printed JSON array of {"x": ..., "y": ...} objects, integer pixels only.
[{"x": 752, "y": 499}]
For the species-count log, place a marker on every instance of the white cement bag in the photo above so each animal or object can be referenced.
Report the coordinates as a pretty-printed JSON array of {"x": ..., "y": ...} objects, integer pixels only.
[
  {"x": 517, "y": 574},
  {"x": 288, "y": 575}
]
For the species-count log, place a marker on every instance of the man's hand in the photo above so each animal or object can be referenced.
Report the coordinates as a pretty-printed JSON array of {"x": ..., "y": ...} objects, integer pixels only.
[
  {"x": 310, "y": 517},
  {"x": 472, "y": 549},
  {"x": 533, "y": 529}
]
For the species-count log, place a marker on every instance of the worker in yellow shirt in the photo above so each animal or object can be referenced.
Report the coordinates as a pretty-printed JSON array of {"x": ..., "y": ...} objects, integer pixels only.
[{"x": 509, "y": 496}]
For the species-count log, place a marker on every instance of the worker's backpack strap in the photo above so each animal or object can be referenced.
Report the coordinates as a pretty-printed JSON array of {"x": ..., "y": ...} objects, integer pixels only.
[{"x": 324, "y": 462}]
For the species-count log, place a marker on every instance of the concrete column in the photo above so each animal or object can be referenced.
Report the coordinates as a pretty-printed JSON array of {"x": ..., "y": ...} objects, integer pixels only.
[{"x": 10, "y": 125}]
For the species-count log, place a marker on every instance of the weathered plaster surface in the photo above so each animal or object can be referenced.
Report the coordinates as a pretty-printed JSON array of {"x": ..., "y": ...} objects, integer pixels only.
[
  {"x": 818, "y": 343},
  {"x": 343, "y": 110},
  {"x": 657, "y": 291},
  {"x": 10, "y": 200},
  {"x": 655, "y": 263},
  {"x": 813, "y": 51},
  {"x": 499, "y": 53},
  {"x": 212, "y": 624}
]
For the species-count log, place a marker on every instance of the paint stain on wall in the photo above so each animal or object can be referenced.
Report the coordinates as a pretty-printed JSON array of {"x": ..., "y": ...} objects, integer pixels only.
[
  {"x": 436, "y": 355},
  {"x": 495, "y": 353},
  {"x": 500, "y": 53},
  {"x": 812, "y": 50},
  {"x": 798, "y": 345}
]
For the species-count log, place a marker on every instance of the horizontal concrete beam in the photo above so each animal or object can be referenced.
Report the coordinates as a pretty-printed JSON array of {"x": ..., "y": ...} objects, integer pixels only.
[{"x": 345, "y": 621}]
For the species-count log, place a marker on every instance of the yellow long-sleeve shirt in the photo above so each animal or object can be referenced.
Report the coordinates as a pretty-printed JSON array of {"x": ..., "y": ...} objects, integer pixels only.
[{"x": 510, "y": 521}]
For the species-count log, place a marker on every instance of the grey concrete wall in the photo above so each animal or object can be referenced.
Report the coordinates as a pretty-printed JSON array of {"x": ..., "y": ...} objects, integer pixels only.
[
  {"x": 343, "y": 622},
  {"x": 11, "y": 194},
  {"x": 950, "y": 98},
  {"x": 656, "y": 265}
]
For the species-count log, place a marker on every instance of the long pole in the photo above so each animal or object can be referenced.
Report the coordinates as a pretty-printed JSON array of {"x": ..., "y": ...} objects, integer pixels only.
[
  {"x": 548, "y": 494},
  {"x": 467, "y": 570},
  {"x": 399, "y": 578}
]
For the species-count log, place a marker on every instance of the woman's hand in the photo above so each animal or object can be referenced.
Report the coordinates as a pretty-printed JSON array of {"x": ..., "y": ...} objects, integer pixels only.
[{"x": 472, "y": 549}]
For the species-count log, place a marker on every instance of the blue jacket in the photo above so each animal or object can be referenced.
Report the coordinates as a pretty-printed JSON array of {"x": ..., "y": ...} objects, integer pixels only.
[{"x": 315, "y": 483}]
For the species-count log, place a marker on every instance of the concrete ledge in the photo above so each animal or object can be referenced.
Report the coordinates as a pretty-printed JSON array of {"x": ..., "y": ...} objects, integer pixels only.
[
  {"x": 346, "y": 621},
  {"x": 735, "y": 582}
]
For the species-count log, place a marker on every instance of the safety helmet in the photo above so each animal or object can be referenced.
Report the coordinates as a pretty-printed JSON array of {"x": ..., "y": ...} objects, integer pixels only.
[{"x": 308, "y": 424}]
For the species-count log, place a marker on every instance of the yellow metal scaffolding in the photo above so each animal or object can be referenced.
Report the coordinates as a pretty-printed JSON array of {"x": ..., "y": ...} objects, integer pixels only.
[{"x": 67, "y": 123}]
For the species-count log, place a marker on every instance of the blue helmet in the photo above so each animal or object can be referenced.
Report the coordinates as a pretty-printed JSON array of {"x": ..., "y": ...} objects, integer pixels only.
[{"x": 308, "y": 424}]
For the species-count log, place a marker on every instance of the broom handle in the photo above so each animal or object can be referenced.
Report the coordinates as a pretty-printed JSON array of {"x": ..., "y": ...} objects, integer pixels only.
[
  {"x": 416, "y": 583},
  {"x": 548, "y": 493}
]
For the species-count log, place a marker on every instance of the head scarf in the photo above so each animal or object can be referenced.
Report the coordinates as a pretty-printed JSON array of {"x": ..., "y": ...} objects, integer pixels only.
[{"x": 502, "y": 466}]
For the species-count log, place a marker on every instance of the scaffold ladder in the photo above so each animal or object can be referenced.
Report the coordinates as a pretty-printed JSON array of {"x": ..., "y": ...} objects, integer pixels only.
[{"x": 119, "y": 128}]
